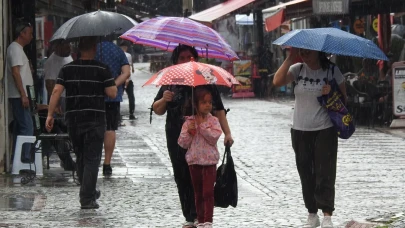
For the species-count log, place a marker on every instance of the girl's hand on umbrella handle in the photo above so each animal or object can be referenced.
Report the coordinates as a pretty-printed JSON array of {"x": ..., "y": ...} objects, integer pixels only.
[
  {"x": 168, "y": 95},
  {"x": 326, "y": 89},
  {"x": 191, "y": 128}
]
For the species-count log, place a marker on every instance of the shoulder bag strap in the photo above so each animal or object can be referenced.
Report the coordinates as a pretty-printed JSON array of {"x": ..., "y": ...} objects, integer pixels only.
[{"x": 296, "y": 80}]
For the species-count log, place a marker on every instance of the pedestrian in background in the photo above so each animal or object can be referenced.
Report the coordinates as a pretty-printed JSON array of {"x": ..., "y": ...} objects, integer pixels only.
[
  {"x": 111, "y": 55},
  {"x": 53, "y": 65},
  {"x": 86, "y": 82},
  {"x": 19, "y": 75},
  {"x": 314, "y": 138},
  {"x": 55, "y": 62},
  {"x": 176, "y": 101},
  {"x": 199, "y": 135},
  {"x": 129, "y": 84}
]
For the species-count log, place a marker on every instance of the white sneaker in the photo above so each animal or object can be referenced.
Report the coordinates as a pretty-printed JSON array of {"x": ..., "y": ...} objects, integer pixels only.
[
  {"x": 327, "y": 222},
  {"x": 312, "y": 221},
  {"x": 200, "y": 225},
  {"x": 207, "y": 225}
]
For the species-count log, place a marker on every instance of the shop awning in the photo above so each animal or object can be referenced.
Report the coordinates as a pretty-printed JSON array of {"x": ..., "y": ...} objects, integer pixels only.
[
  {"x": 211, "y": 14},
  {"x": 292, "y": 9},
  {"x": 275, "y": 20},
  {"x": 288, "y": 6}
]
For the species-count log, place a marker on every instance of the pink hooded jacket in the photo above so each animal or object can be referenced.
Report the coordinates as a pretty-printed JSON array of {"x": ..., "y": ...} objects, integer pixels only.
[{"x": 202, "y": 147}]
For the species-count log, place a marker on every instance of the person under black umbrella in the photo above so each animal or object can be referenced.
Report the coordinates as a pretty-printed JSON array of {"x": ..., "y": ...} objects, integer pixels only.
[{"x": 86, "y": 82}]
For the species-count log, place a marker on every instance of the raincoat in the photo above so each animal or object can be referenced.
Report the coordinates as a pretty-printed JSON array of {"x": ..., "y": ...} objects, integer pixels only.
[{"x": 202, "y": 147}]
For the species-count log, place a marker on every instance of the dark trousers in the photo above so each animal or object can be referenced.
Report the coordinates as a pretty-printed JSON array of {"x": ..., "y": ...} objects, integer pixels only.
[
  {"x": 131, "y": 97},
  {"x": 87, "y": 140},
  {"x": 181, "y": 176},
  {"x": 203, "y": 182},
  {"x": 316, "y": 157}
]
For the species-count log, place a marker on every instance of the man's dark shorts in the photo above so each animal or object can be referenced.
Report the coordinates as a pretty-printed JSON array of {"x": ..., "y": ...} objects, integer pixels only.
[{"x": 112, "y": 113}]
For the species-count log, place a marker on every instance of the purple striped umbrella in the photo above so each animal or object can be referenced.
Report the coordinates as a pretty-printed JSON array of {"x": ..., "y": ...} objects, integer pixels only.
[{"x": 167, "y": 32}]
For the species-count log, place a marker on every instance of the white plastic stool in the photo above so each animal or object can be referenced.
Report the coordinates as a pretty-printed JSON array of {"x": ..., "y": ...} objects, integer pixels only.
[{"x": 18, "y": 165}]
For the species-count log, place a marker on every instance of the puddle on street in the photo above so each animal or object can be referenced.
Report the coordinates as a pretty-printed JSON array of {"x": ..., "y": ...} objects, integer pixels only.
[{"x": 22, "y": 202}]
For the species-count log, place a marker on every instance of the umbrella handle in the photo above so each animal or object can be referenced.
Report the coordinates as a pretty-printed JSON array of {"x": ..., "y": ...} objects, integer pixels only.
[
  {"x": 192, "y": 100},
  {"x": 206, "y": 53}
]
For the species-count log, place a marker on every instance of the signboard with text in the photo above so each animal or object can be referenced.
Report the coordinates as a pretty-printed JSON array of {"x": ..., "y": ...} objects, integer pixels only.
[
  {"x": 398, "y": 88},
  {"x": 330, "y": 6}
]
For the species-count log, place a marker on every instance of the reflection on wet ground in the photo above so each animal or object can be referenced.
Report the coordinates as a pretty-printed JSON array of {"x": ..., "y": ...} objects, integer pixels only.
[{"x": 10, "y": 202}]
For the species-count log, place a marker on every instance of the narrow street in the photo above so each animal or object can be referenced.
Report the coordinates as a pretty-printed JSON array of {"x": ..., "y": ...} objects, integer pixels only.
[{"x": 142, "y": 192}]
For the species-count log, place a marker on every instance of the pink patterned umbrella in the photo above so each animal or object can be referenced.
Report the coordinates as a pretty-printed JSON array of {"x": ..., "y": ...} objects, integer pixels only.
[
  {"x": 167, "y": 32},
  {"x": 192, "y": 74}
]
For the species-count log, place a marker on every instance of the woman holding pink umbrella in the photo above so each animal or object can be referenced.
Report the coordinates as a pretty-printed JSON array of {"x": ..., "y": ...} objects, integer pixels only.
[{"x": 176, "y": 101}]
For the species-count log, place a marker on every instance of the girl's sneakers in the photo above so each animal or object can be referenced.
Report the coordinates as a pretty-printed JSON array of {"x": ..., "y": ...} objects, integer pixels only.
[
  {"x": 204, "y": 225},
  {"x": 188, "y": 225}
]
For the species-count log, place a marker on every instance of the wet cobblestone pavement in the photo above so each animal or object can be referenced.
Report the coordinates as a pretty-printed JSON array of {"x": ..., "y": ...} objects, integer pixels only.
[{"x": 142, "y": 193}]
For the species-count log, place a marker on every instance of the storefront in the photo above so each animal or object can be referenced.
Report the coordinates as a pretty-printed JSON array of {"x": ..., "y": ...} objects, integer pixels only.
[
  {"x": 245, "y": 37},
  {"x": 45, "y": 17},
  {"x": 379, "y": 21}
]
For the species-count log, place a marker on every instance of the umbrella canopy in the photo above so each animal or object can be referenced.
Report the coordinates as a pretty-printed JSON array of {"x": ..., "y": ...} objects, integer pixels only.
[
  {"x": 192, "y": 74},
  {"x": 98, "y": 23},
  {"x": 333, "y": 41},
  {"x": 167, "y": 32}
]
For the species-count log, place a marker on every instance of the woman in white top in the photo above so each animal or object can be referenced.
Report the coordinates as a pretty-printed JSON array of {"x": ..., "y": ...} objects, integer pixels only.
[{"x": 314, "y": 139}]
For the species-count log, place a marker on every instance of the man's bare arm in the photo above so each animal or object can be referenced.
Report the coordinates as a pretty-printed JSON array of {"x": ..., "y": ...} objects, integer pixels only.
[
  {"x": 111, "y": 91},
  {"x": 15, "y": 70},
  {"x": 125, "y": 74},
  {"x": 49, "y": 84},
  {"x": 54, "y": 101}
]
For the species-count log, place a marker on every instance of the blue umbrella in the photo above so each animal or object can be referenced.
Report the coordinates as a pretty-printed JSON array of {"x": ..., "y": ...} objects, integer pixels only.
[{"x": 333, "y": 41}]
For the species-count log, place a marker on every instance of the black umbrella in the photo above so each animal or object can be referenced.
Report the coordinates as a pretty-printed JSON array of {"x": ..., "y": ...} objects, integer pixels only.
[{"x": 98, "y": 23}]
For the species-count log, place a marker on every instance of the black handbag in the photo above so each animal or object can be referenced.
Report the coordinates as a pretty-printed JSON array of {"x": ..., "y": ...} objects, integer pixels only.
[{"x": 226, "y": 185}]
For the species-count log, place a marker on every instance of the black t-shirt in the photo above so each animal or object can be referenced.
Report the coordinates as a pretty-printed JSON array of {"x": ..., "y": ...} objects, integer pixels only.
[
  {"x": 181, "y": 105},
  {"x": 84, "y": 82}
]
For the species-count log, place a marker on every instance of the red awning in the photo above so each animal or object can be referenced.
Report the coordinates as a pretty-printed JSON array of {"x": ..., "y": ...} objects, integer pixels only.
[
  {"x": 276, "y": 15},
  {"x": 211, "y": 14},
  {"x": 275, "y": 20}
]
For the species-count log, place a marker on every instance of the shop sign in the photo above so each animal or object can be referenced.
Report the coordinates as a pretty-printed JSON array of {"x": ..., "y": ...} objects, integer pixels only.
[
  {"x": 375, "y": 24},
  {"x": 242, "y": 70},
  {"x": 398, "y": 88},
  {"x": 330, "y": 6}
]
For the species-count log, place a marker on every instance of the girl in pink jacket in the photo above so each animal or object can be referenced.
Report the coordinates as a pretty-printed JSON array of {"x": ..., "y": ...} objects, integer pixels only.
[{"x": 199, "y": 135}]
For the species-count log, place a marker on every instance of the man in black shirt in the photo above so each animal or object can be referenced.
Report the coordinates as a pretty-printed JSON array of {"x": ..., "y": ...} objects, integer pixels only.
[{"x": 86, "y": 82}]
